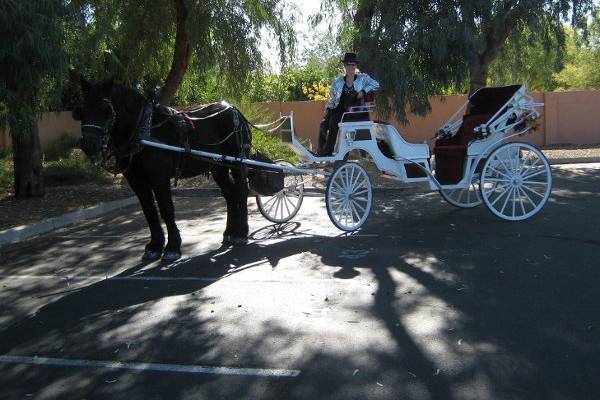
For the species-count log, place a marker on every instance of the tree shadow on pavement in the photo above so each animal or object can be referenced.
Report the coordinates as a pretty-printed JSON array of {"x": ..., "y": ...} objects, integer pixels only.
[{"x": 461, "y": 306}]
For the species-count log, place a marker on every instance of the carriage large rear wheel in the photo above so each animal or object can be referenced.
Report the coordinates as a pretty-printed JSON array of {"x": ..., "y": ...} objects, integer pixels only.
[
  {"x": 285, "y": 204},
  {"x": 349, "y": 196},
  {"x": 516, "y": 181}
]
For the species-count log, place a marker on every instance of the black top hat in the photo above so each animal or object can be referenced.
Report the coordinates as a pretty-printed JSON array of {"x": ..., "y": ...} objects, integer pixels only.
[{"x": 350, "y": 58}]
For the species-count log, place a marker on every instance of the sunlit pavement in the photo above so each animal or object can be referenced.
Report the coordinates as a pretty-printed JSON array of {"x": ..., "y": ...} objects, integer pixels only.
[{"x": 425, "y": 302}]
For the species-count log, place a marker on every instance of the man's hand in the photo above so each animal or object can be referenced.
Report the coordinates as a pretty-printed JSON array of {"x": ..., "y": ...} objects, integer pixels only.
[{"x": 361, "y": 95}]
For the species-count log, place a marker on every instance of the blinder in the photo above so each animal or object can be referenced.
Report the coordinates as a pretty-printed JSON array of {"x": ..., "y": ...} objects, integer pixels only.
[{"x": 95, "y": 137}]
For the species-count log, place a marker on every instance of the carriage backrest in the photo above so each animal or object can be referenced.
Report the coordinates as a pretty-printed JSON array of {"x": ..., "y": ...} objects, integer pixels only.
[{"x": 490, "y": 100}]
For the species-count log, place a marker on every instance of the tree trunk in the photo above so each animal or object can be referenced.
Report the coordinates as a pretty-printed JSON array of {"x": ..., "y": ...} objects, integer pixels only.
[
  {"x": 27, "y": 159},
  {"x": 478, "y": 73},
  {"x": 362, "y": 23},
  {"x": 181, "y": 56}
]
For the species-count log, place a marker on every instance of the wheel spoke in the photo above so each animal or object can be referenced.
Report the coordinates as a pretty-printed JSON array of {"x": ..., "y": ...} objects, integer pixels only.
[
  {"x": 337, "y": 192},
  {"x": 285, "y": 200},
  {"x": 270, "y": 200},
  {"x": 353, "y": 179},
  {"x": 360, "y": 179},
  {"x": 506, "y": 201},
  {"x": 499, "y": 172},
  {"x": 498, "y": 198},
  {"x": 278, "y": 206},
  {"x": 526, "y": 177},
  {"x": 354, "y": 212},
  {"x": 532, "y": 191},
  {"x": 360, "y": 192},
  {"x": 291, "y": 202},
  {"x": 537, "y": 160},
  {"x": 363, "y": 209},
  {"x": 508, "y": 170},
  {"x": 528, "y": 198},
  {"x": 521, "y": 201},
  {"x": 347, "y": 178},
  {"x": 535, "y": 183}
]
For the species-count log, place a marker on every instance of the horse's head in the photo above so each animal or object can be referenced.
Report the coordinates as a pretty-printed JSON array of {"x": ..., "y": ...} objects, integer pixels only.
[{"x": 97, "y": 116}]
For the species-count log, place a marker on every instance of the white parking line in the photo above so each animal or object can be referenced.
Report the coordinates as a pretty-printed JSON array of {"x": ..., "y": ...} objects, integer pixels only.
[
  {"x": 174, "y": 279},
  {"x": 155, "y": 367}
]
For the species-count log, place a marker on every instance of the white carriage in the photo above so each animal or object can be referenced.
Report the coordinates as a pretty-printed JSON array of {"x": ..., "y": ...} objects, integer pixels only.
[{"x": 476, "y": 160}]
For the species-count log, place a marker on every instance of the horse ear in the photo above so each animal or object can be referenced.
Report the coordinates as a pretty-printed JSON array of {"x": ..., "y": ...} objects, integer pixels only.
[
  {"x": 85, "y": 85},
  {"x": 107, "y": 87}
]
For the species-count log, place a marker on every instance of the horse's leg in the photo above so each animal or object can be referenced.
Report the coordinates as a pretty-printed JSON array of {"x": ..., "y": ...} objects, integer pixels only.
[
  {"x": 240, "y": 233},
  {"x": 222, "y": 178},
  {"x": 162, "y": 191},
  {"x": 143, "y": 192}
]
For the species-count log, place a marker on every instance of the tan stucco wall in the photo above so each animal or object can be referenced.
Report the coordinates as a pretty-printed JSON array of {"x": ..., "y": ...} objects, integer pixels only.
[
  {"x": 572, "y": 117},
  {"x": 51, "y": 126},
  {"x": 418, "y": 129},
  {"x": 568, "y": 117}
]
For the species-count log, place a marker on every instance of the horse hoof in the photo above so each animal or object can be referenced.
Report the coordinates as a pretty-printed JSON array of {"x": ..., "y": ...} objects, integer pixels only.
[
  {"x": 171, "y": 256},
  {"x": 151, "y": 255}
]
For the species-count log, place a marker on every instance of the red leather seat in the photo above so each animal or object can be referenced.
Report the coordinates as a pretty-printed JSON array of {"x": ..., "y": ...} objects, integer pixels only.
[{"x": 450, "y": 154}]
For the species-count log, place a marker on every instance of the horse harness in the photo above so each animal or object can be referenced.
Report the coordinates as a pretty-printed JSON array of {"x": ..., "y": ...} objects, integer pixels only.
[{"x": 181, "y": 120}]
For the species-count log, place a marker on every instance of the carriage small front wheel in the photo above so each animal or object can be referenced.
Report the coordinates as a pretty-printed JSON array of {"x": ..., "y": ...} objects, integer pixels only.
[
  {"x": 464, "y": 198},
  {"x": 285, "y": 204},
  {"x": 516, "y": 181},
  {"x": 349, "y": 196}
]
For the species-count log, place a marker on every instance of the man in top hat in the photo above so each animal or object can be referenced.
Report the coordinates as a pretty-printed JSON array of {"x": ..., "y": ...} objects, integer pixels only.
[{"x": 346, "y": 91}]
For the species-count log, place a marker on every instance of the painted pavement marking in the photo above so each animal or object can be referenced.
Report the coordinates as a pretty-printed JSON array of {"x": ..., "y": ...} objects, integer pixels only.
[
  {"x": 155, "y": 367},
  {"x": 167, "y": 278}
]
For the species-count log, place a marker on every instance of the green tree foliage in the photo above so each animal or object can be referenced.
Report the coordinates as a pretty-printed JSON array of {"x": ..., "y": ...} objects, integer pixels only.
[
  {"x": 528, "y": 59},
  {"x": 420, "y": 48},
  {"x": 32, "y": 62},
  {"x": 133, "y": 39},
  {"x": 581, "y": 70}
]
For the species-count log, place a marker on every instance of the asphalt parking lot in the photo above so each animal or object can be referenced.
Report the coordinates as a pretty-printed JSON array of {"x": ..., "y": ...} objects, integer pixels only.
[{"x": 427, "y": 301}]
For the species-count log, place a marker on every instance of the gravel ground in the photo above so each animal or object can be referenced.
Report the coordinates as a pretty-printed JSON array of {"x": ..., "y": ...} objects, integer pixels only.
[
  {"x": 61, "y": 200},
  {"x": 563, "y": 152}
]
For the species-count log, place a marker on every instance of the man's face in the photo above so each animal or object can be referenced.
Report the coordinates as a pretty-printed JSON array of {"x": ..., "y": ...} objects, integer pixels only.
[{"x": 350, "y": 67}]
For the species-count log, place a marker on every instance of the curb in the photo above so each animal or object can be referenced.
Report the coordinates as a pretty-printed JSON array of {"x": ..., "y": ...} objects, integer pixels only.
[
  {"x": 20, "y": 233},
  {"x": 581, "y": 160}
]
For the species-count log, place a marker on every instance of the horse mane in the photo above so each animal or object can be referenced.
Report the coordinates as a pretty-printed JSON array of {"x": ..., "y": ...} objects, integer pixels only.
[{"x": 127, "y": 98}]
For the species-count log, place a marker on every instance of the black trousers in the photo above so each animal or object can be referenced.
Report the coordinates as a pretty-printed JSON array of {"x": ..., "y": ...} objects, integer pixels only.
[{"x": 328, "y": 130}]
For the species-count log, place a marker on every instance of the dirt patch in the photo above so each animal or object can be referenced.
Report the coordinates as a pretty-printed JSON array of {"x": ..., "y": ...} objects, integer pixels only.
[
  {"x": 60, "y": 200},
  {"x": 57, "y": 201}
]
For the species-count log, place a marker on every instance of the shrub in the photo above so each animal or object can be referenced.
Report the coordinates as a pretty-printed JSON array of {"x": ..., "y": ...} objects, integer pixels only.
[
  {"x": 73, "y": 170},
  {"x": 6, "y": 172},
  {"x": 268, "y": 143},
  {"x": 61, "y": 147}
]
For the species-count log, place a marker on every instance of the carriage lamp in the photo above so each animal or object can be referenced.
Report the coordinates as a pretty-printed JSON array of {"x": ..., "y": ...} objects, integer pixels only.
[{"x": 350, "y": 135}]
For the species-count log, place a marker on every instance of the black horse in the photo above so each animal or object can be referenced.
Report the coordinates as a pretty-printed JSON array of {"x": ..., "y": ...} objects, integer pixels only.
[{"x": 113, "y": 120}]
